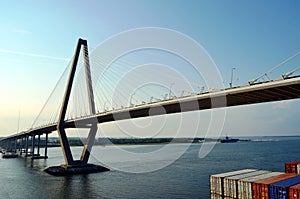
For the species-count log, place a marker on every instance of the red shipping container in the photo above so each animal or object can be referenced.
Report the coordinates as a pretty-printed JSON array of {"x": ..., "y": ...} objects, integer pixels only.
[
  {"x": 291, "y": 167},
  {"x": 260, "y": 188},
  {"x": 294, "y": 192}
]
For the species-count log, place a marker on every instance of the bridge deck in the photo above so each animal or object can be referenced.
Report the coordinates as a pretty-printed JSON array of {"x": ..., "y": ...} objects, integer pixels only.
[{"x": 251, "y": 94}]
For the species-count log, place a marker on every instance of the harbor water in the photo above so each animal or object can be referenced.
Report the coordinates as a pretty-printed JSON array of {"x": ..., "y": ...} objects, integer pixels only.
[{"x": 186, "y": 177}]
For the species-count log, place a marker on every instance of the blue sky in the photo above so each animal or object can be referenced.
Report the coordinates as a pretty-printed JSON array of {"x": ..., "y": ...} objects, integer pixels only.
[{"x": 37, "y": 39}]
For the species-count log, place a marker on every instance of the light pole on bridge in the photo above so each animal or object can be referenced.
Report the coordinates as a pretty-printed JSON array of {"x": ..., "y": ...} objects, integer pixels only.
[
  {"x": 230, "y": 84},
  {"x": 170, "y": 90},
  {"x": 130, "y": 101}
]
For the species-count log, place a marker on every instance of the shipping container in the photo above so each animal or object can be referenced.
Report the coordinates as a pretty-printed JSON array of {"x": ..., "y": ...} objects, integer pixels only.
[
  {"x": 260, "y": 188},
  {"x": 280, "y": 190},
  {"x": 216, "y": 196},
  {"x": 245, "y": 185},
  {"x": 216, "y": 181},
  {"x": 294, "y": 192},
  {"x": 291, "y": 167},
  {"x": 230, "y": 183}
]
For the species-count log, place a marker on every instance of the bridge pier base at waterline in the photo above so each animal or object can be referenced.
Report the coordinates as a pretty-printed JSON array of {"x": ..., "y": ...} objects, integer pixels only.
[{"x": 73, "y": 167}]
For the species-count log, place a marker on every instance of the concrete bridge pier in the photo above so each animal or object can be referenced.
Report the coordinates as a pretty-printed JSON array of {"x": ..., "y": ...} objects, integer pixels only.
[
  {"x": 21, "y": 145},
  {"x": 26, "y": 145},
  {"x": 10, "y": 147},
  {"x": 7, "y": 145},
  {"x": 32, "y": 145},
  {"x": 46, "y": 146},
  {"x": 38, "y": 155},
  {"x": 15, "y": 145}
]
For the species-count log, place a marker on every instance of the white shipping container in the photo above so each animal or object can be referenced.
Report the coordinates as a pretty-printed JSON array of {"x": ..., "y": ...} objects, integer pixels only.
[
  {"x": 298, "y": 168},
  {"x": 216, "y": 181},
  {"x": 245, "y": 185},
  {"x": 230, "y": 183},
  {"x": 216, "y": 196}
]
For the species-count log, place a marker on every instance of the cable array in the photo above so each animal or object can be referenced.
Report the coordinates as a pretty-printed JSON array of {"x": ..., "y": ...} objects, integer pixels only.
[
  {"x": 50, "y": 110},
  {"x": 283, "y": 65},
  {"x": 127, "y": 81}
]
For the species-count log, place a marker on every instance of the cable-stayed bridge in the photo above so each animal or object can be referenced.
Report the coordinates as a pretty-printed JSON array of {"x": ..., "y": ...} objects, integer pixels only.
[{"x": 93, "y": 106}]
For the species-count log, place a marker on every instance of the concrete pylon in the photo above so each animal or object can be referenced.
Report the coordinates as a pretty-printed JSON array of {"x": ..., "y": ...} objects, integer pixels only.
[{"x": 77, "y": 166}]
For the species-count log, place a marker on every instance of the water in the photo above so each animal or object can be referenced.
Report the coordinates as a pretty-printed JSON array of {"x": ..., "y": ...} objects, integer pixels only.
[{"x": 187, "y": 177}]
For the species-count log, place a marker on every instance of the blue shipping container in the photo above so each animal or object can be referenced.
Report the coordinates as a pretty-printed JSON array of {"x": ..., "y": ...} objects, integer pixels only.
[{"x": 279, "y": 190}]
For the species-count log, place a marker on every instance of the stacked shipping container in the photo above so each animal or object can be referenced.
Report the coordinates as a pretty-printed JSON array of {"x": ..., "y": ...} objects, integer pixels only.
[
  {"x": 294, "y": 192},
  {"x": 217, "y": 180},
  {"x": 215, "y": 196},
  {"x": 231, "y": 183},
  {"x": 292, "y": 167},
  {"x": 260, "y": 188},
  {"x": 257, "y": 184},
  {"x": 280, "y": 190},
  {"x": 245, "y": 185},
  {"x": 250, "y": 183}
]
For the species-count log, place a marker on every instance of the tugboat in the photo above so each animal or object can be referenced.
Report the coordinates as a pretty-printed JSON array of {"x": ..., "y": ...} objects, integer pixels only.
[{"x": 229, "y": 140}]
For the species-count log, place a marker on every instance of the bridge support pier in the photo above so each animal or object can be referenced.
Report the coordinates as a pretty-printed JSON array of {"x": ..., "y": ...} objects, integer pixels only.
[
  {"x": 39, "y": 144},
  {"x": 26, "y": 146},
  {"x": 46, "y": 146},
  {"x": 38, "y": 155},
  {"x": 7, "y": 145},
  {"x": 10, "y": 145},
  {"x": 32, "y": 148},
  {"x": 21, "y": 146},
  {"x": 32, "y": 145},
  {"x": 77, "y": 166}
]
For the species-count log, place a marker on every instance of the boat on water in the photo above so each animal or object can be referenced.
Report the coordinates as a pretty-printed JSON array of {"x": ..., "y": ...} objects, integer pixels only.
[
  {"x": 8, "y": 155},
  {"x": 229, "y": 140}
]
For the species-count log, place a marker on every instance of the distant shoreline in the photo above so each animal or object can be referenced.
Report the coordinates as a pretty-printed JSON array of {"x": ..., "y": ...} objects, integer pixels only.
[{"x": 77, "y": 141}]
